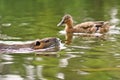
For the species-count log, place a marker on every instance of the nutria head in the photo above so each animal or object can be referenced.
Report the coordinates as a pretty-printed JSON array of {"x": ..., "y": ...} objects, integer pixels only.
[
  {"x": 46, "y": 43},
  {"x": 67, "y": 19}
]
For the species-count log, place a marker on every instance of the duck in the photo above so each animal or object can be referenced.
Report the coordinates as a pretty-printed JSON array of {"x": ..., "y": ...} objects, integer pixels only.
[{"x": 84, "y": 27}]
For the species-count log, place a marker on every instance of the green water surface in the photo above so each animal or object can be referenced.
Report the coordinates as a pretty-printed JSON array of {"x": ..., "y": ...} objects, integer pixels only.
[{"x": 84, "y": 59}]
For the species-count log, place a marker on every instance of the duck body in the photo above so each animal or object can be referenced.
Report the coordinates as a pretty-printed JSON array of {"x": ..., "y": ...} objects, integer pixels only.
[
  {"x": 85, "y": 27},
  {"x": 92, "y": 27}
]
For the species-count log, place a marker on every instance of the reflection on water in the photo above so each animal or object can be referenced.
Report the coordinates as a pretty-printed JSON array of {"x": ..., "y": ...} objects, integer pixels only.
[
  {"x": 64, "y": 61},
  {"x": 83, "y": 59},
  {"x": 6, "y": 24},
  {"x": 6, "y": 37},
  {"x": 4, "y": 68},
  {"x": 114, "y": 20},
  {"x": 33, "y": 72},
  {"x": 60, "y": 76},
  {"x": 11, "y": 77}
]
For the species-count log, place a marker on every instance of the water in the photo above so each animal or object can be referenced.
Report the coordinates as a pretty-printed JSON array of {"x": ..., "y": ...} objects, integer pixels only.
[{"x": 84, "y": 59}]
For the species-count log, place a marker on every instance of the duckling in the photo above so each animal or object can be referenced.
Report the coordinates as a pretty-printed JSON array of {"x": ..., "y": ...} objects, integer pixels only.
[{"x": 85, "y": 27}]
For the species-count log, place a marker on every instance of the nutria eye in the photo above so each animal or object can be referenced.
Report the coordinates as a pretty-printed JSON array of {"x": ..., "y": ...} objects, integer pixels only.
[
  {"x": 37, "y": 43},
  {"x": 46, "y": 41}
]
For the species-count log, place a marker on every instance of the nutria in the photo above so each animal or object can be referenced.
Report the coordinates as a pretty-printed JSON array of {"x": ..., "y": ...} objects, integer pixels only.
[{"x": 30, "y": 45}]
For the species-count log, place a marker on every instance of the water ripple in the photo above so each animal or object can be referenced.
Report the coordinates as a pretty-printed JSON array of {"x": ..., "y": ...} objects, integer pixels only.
[
  {"x": 60, "y": 76},
  {"x": 6, "y": 24},
  {"x": 7, "y": 57},
  {"x": 82, "y": 72},
  {"x": 11, "y": 77},
  {"x": 64, "y": 62},
  {"x": 81, "y": 47},
  {"x": 6, "y": 37}
]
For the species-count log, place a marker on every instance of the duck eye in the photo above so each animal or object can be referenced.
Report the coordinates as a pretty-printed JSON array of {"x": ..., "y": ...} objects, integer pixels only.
[
  {"x": 37, "y": 43},
  {"x": 46, "y": 41},
  {"x": 66, "y": 20},
  {"x": 63, "y": 22}
]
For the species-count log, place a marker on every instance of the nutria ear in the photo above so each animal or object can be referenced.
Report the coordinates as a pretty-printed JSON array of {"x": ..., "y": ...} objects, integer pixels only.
[
  {"x": 37, "y": 43},
  {"x": 46, "y": 41}
]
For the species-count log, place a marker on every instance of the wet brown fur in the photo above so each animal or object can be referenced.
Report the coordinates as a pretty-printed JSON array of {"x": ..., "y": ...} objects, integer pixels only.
[{"x": 38, "y": 44}]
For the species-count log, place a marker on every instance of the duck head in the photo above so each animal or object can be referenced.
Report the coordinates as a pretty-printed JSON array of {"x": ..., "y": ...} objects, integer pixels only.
[
  {"x": 67, "y": 19},
  {"x": 46, "y": 43}
]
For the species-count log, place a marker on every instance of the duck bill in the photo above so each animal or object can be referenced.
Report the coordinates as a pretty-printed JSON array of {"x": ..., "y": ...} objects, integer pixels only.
[{"x": 60, "y": 23}]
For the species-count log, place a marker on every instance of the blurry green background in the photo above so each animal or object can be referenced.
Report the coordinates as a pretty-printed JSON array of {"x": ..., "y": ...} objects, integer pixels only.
[{"x": 82, "y": 60}]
